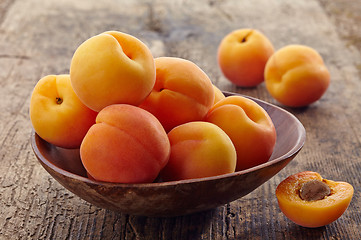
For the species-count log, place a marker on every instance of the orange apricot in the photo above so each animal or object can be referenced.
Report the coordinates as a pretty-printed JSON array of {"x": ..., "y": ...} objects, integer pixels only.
[
  {"x": 296, "y": 76},
  {"x": 199, "y": 149},
  {"x": 309, "y": 200},
  {"x": 126, "y": 145},
  {"x": 182, "y": 92},
  {"x": 242, "y": 56},
  {"x": 249, "y": 127},
  {"x": 57, "y": 114}
]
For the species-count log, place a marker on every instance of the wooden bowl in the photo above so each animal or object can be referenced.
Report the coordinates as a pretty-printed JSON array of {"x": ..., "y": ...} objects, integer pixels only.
[{"x": 177, "y": 197}]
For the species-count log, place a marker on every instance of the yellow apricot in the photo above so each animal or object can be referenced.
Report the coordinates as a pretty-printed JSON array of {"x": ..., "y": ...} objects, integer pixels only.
[{"x": 112, "y": 68}]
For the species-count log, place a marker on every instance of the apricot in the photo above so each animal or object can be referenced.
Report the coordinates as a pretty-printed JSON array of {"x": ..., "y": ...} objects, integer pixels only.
[
  {"x": 126, "y": 145},
  {"x": 249, "y": 127},
  {"x": 309, "y": 200},
  {"x": 199, "y": 149},
  {"x": 218, "y": 94},
  {"x": 242, "y": 56},
  {"x": 296, "y": 76},
  {"x": 56, "y": 113},
  {"x": 112, "y": 68},
  {"x": 182, "y": 92}
]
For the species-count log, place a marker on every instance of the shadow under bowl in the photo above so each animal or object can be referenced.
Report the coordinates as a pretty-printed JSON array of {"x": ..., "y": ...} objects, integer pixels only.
[{"x": 177, "y": 197}]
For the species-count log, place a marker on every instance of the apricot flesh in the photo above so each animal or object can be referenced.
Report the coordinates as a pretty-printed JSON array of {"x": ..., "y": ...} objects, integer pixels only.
[{"x": 313, "y": 212}]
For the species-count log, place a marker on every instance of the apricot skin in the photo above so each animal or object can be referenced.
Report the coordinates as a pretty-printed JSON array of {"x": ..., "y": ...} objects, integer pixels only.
[
  {"x": 218, "y": 94},
  {"x": 316, "y": 213},
  {"x": 57, "y": 114},
  {"x": 199, "y": 149},
  {"x": 112, "y": 68},
  {"x": 242, "y": 56},
  {"x": 126, "y": 145},
  {"x": 296, "y": 76},
  {"x": 249, "y": 127},
  {"x": 182, "y": 92}
]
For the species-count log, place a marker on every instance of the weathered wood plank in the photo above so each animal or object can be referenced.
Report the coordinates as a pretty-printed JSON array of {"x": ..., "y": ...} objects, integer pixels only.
[{"x": 39, "y": 37}]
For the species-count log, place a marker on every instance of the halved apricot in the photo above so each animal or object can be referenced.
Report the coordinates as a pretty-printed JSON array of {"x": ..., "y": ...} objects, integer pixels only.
[{"x": 309, "y": 200}]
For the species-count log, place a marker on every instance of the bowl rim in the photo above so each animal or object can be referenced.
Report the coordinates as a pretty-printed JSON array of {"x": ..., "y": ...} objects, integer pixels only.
[{"x": 295, "y": 149}]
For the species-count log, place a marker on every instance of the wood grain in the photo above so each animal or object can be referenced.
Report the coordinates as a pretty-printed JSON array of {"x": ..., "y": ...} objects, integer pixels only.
[{"x": 39, "y": 37}]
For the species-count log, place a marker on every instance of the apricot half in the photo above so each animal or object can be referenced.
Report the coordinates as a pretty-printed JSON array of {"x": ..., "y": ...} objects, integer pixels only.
[{"x": 309, "y": 200}]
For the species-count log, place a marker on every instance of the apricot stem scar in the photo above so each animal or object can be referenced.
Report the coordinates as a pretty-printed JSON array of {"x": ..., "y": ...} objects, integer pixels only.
[
  {"x": 314, "y": 190},
  {"x": 59, "y": 100},
  {"x": 244, "y": 39}
]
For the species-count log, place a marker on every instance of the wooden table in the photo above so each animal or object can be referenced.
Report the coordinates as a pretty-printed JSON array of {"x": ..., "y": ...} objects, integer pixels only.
[{"x": 38, "y": 38}]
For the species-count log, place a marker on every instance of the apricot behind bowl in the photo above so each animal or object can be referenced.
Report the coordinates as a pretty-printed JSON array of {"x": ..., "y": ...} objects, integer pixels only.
[
  {"x": 242, "y": 56},
  {"x": 174, "y": 198},
  {"x": 296, "y": 76}
]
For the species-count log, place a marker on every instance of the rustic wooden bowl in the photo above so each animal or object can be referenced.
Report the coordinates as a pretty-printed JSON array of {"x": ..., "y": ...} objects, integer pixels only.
[{"x": 177, "y": 197}]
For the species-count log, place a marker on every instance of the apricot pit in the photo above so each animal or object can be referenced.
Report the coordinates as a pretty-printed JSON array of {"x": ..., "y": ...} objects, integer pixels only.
[{"x": 314, "y": 190}]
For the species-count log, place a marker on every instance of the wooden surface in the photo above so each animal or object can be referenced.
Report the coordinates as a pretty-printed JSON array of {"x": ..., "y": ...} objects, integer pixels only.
[{"x": 39, "y": 37}]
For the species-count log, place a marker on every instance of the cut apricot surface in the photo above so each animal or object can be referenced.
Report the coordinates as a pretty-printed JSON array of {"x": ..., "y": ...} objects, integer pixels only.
[{"x": 305, "y": 211}]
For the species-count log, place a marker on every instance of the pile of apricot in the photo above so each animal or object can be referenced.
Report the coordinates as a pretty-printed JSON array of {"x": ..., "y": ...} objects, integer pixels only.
[{"x": 136, "y": 118}]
